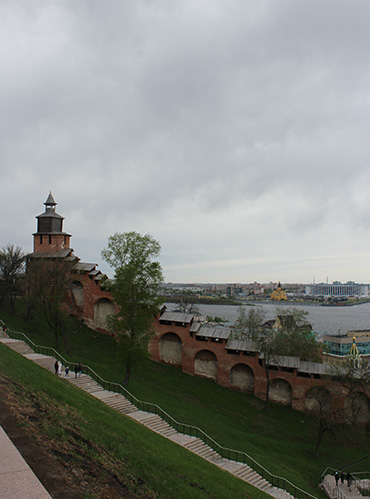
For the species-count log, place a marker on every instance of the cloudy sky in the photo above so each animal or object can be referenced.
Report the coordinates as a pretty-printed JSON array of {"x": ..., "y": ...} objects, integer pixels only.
[{"x": 235, "y": 133}]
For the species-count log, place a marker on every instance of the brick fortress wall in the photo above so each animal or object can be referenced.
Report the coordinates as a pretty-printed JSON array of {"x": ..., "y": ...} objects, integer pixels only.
[{"x": 174, "y": 343}]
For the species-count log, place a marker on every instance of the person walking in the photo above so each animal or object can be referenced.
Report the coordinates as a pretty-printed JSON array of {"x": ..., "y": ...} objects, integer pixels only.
[
  {"x": 79, "y": 370},
  {"x": 76, "y": 370},
  {"x": 349, "y": 480},
  {"x": 56, "y": 367},
  {"x": 336, "y": 476},
  {"x": 67, "y": 372},
  {"x": 342, "y": 477}
]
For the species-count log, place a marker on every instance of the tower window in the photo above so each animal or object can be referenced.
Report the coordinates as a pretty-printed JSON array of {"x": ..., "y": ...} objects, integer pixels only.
[
  {"x": 49, "y": 239},
  {"x": 40, "y": 239}
]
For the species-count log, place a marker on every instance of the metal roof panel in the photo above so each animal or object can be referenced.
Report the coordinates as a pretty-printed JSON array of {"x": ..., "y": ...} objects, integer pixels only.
[
  {"x": 213, "y": 332},
  {"x": 176, "y": 317}
]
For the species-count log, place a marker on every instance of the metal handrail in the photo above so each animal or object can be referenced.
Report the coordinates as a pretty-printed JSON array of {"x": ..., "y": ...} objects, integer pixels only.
[
  {"x": 355, "y": 474},
  {"x": 232, "y": 454}
]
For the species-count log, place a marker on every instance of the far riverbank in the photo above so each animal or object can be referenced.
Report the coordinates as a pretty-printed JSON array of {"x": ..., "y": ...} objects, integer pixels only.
[
  {"x": 200, "y": 300},
  {"x": 332, "y": 320}
]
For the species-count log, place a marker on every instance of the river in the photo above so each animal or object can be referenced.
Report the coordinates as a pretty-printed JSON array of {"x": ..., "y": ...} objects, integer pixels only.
[{"x": 331, "y": 320}]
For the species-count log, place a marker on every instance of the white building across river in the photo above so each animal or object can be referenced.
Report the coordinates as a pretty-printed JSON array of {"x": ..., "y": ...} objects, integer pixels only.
[{"x": 338, "y": 289}]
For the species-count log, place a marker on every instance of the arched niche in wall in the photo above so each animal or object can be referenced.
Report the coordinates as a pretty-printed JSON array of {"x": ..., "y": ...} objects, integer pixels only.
[
  {"x": 170, "y": 349},
  {"x": 242, "y": 378},
  {"x": 77, "y": 291},
  {"x": 102, "y": 308},
  {"x": 281, "y": 391},
  {"x": 357, "y": 407},
  {"x": 205, "y": 364},
  {"x": 317, "y": 400}
]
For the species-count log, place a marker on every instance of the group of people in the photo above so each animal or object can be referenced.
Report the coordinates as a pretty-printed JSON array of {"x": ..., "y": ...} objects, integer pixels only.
[
  {"x": 58, "y": 369},
  {"x": 343, "y": 477}
]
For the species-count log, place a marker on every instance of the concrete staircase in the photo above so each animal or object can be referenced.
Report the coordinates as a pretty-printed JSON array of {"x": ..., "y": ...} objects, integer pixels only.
[
  {"x": 341, "y": 491},
  {"x": 151, "y": 421},
  {"x": 157, "y": 424},
  {"x": 18, "y": 346}
]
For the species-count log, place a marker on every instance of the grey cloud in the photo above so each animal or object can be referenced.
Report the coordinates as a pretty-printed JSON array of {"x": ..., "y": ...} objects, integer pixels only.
[{"x": 234, "y": 134}]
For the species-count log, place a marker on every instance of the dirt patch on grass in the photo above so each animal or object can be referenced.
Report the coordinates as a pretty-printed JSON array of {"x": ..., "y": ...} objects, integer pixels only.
[{"x": 59, "y": 455}]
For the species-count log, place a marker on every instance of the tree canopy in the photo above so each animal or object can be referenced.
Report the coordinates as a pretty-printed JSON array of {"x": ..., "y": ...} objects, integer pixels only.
[
  {"x": 291, "y": 335},
  {"x": 12, "y": 260},
  {"x": 135, "y": 291},
  {"x": 45, "y": 287},
  {"x": 295, "y": 336}
]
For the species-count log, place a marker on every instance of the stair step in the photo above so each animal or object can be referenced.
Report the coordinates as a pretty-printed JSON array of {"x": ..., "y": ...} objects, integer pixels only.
[
  {"x": 124, "y": 407},
  {"x": 148, "y": 421},
  {"x": 195, "y": 445},
  {"x": 168, "y": 433},
  {"x": 158, "y": 426},
  {"x": 246, "y": 473}
]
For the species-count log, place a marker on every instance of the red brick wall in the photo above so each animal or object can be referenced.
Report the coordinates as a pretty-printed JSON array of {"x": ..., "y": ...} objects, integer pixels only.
[
  {"x": 92, "y": 293},
  {"x": 45, "y": 243},
  {"x": 225, "y": 362}
]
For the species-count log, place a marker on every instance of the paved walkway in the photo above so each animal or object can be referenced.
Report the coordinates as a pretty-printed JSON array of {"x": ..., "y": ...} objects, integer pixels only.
[
  {"x": 17, "y": 480},
  {"x": 151, "y": 421},
  {"x": 340, "y": 492}
]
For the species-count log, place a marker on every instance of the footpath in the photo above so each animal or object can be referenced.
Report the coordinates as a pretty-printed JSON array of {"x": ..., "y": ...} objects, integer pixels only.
[
  {"x": 340, "y": 491},
  {"x": 17, "y": 480}
]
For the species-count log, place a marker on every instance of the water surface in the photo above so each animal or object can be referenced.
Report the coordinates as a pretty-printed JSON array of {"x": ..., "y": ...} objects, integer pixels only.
[{"x": 332, "y": 320}]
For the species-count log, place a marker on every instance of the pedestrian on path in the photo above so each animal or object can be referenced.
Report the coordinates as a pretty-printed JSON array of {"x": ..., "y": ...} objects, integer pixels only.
[
  {"x": 67, "y": 372},
  {"x": 349, "y": 480},
  {"x": 76, "y": 370},
  {"x": 79, "y": 370},
  {"x": 60, "y": 369},
  {"x": 342, "y": 477},
  {"x": 336, "y": 476},
  {"x": 56, "y": 367}
]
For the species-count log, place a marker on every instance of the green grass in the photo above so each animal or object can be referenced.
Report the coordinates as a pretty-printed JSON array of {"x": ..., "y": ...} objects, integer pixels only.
[
  {"x": 146, "y": 463},
  {"x": 282, "y": 440}
]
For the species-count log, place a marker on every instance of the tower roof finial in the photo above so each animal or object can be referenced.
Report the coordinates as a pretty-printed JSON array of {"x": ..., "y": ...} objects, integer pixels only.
[{"x": 50, "y": 200}]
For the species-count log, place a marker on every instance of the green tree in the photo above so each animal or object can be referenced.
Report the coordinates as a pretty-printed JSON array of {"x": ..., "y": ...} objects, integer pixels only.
[
  {"x": 353, "y": 374},
  {"x": 186, "y": 304},
  {"x": 12, "y": 260},
  {"x": 295, "y": 336},
  {"x": 291, "y": 336},
  {"x": 32, "y": 288},
  {"x": 249, "y": 325},
  {"x": 135, "y": 291},
  {"x": 46, "y": 288},
  {"x": 327, "y": 420}
]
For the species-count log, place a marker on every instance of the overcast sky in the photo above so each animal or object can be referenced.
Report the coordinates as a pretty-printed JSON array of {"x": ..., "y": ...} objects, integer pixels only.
[{"x": 236, "y": 133}]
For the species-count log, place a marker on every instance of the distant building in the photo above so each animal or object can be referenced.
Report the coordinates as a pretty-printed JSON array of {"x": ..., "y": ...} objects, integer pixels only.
[
  {"x": 278, "y": 294},
  {"x": 341, "y": 344},
  {"x": 337, "y": 289}
]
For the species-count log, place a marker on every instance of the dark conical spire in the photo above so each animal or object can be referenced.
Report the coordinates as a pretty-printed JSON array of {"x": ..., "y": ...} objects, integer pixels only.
[
  {"x": 50, "y": 200},
  {"x": 50, "y": 204}
]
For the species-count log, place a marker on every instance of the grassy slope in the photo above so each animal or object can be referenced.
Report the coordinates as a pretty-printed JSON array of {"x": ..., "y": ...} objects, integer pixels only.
[
  {"x": 146, "y": 463},
  {"x": 282, "y": 440}
]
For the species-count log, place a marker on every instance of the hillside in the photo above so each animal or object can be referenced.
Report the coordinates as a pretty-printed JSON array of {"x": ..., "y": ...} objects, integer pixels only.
[
  {"x": 282, "y": 440},
  {"x": 80, "y": 448}
]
